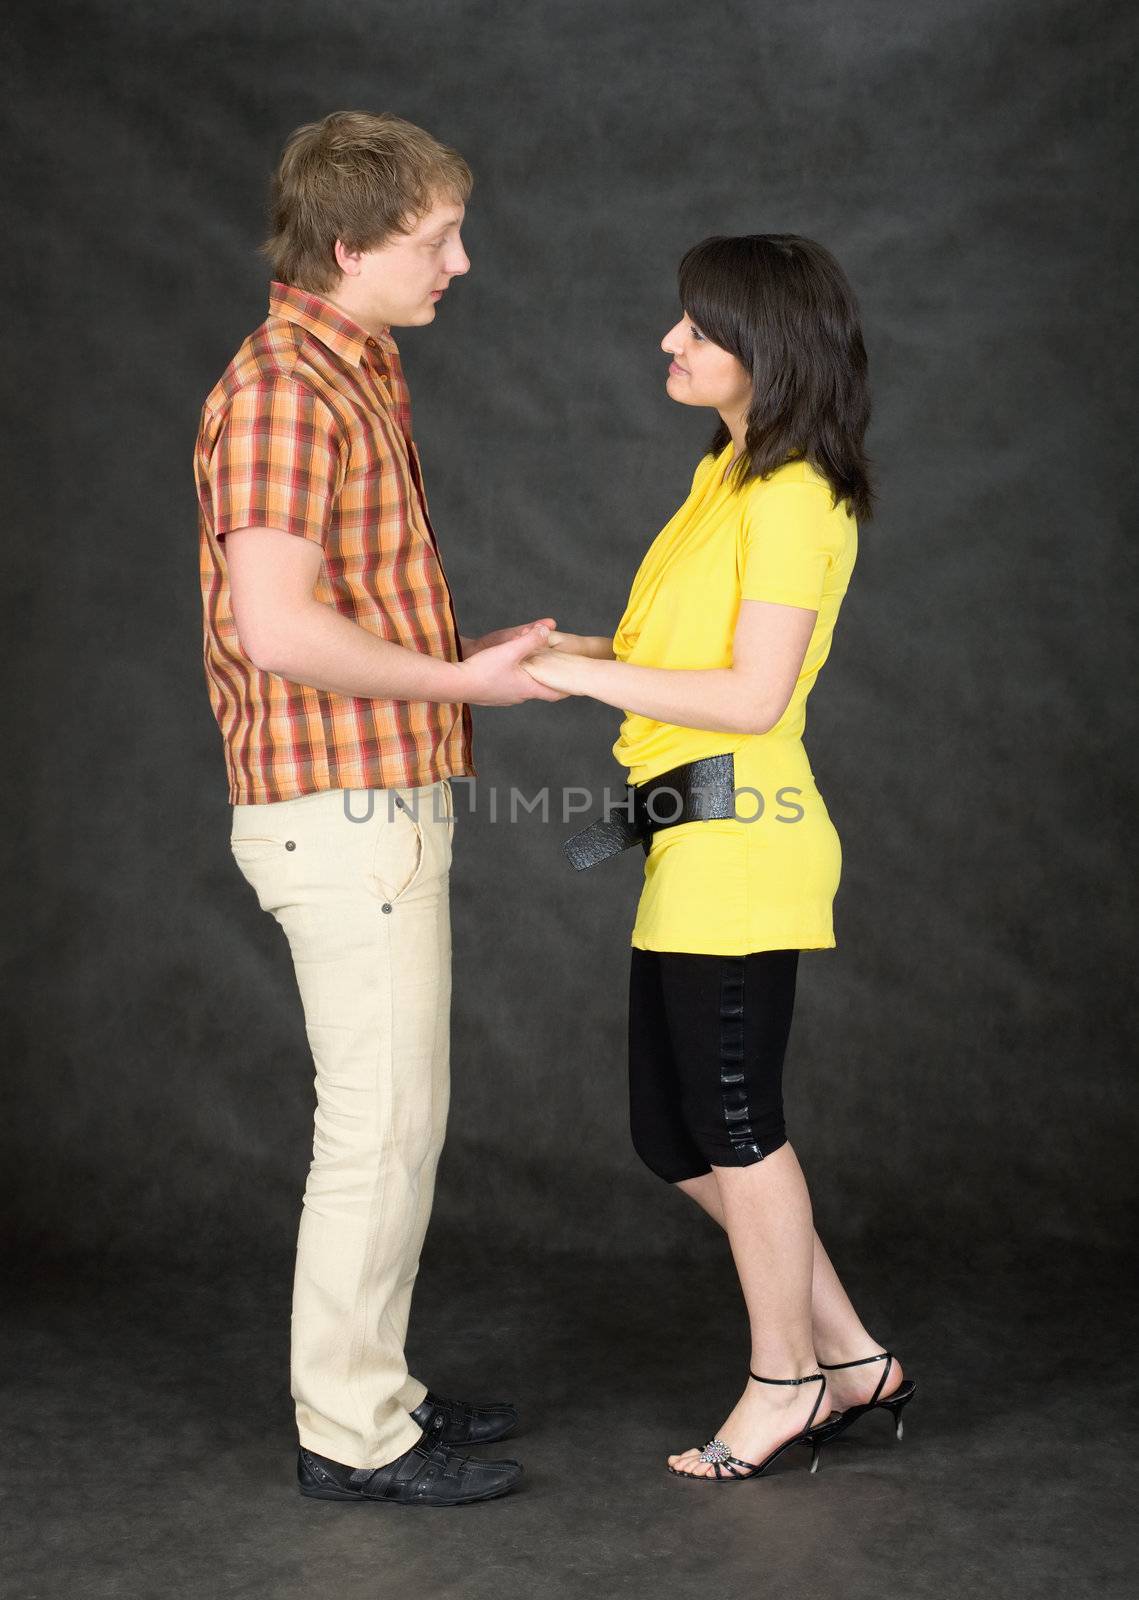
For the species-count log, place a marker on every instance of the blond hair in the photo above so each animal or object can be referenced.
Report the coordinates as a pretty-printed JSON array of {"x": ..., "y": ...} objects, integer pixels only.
[{"x": 356, "y": 177}]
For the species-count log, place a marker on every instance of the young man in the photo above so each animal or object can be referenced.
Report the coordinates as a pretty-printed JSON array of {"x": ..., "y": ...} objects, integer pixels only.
[{"x": 334, "y": 664}]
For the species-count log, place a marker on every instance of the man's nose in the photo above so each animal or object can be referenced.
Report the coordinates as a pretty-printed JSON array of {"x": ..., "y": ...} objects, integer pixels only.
[{"x": 459, "y": 263}]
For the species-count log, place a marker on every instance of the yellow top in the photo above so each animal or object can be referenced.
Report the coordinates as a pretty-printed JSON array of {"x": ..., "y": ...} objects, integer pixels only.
[{"x": 730, "y": 886}]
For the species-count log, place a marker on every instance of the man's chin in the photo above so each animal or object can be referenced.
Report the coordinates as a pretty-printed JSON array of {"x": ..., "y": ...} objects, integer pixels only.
[{"x": 415, "y": 319}]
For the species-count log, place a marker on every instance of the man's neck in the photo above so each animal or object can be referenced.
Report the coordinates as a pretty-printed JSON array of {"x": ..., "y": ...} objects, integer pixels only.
[{"x": 358, "y": 316}]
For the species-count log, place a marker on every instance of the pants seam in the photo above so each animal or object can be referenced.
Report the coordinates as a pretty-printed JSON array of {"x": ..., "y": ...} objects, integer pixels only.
[{"x": 734, "y": 1106}]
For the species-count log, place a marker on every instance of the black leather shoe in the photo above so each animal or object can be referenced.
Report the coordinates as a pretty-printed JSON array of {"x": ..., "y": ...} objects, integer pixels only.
[
  {"x": 429, "y": 1474},
  {"x": 456, "y": 1422}
]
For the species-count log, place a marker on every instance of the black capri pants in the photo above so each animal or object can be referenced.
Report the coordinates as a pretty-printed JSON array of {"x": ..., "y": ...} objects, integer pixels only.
[{"x": 707, "y": 1036}]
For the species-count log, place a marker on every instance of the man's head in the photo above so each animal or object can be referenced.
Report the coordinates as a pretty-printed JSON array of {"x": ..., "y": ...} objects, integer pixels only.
[{"x": 366, "y": 211}]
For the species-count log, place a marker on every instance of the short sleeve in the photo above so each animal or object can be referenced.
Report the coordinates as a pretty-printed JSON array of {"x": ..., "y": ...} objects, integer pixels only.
[
  {"x": 276, "y": 461},
  {"x": 788, "y": 541}
]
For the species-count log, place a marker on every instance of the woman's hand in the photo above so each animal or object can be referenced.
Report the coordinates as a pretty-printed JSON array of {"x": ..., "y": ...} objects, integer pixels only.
[{"x": 557, "y": 669}]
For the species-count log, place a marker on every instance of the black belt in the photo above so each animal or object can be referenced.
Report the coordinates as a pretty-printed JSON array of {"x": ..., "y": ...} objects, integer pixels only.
[{"x": 699, "y": 791}]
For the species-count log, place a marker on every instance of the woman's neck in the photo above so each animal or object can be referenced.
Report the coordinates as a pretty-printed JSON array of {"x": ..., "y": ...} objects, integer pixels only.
[{"x": 736, "y": 424}]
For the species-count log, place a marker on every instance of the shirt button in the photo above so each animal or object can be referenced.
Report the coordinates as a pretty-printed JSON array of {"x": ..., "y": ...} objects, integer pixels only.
[
  {"x": 290, "y": 844},
  {"x": 385, "y": 906}
]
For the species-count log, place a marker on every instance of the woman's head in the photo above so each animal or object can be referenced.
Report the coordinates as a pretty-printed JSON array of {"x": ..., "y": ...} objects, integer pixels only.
[{"x": 771, "y": 332}]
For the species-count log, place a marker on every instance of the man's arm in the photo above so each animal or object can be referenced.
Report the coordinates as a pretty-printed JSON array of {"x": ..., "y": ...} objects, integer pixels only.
[{"x": 285, "y": 630}]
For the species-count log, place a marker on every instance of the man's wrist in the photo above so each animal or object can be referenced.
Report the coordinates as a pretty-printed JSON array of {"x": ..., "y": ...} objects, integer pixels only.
[{"x": 451, "y": 684}]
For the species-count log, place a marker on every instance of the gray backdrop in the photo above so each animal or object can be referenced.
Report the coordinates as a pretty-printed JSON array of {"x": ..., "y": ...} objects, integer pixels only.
[{"x": 958, "y": 1062}]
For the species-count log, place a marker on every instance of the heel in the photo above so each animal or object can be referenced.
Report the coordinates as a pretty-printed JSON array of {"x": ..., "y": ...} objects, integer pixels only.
[
  {"x": 893, "y": 1403},
  {"x": 895, "y": 1407}
]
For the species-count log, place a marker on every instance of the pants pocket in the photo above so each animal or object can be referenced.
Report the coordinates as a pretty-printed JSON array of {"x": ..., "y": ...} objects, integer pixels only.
[{"x": 397, "y": 859}]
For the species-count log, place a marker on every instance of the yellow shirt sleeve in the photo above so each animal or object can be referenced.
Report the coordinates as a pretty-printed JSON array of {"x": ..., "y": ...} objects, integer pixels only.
[{"x": 788, "y": 543}]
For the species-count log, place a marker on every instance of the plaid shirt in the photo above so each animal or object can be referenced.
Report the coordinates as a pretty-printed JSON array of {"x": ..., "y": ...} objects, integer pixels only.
[{"x": 309, "y": 430}]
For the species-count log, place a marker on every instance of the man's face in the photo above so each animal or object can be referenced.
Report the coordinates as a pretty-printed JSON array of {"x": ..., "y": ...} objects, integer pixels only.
[
  {"x": 400, "y": 283},
  {"x": 702, "y": 373}
]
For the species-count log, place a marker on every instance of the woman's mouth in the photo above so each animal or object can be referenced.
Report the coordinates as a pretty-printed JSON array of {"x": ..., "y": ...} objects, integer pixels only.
[{"x": 676, "y": 372}]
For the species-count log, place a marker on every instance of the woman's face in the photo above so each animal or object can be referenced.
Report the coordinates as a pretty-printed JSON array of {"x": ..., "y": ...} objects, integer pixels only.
[{"x": 702, "y": 373}]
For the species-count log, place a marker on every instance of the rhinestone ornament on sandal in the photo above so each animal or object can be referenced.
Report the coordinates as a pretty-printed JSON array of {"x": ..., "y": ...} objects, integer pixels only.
[{"x": 727, "y": 1468}]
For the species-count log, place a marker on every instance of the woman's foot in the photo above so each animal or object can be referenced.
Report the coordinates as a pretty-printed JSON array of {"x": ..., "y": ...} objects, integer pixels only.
[
  {"x": 854, "y": 1386},
  {"x": 765, "y": 1416}
]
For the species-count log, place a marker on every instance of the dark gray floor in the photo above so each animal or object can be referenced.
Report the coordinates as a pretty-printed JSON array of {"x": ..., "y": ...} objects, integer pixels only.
[{"x": 148, "y": 1444}]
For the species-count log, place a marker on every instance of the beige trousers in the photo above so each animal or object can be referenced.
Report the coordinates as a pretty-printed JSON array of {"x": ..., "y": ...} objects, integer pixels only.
[{"x": 359, "y": 881}]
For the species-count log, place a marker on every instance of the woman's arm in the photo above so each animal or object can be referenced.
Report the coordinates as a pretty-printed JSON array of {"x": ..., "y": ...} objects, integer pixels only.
[
  {"x": 599, "y": 646},
  {"x": 750, "y": 696}
]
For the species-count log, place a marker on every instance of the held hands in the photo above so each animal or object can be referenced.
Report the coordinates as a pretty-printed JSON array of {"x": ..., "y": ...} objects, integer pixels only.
[
  {"x": 492, "y": 666},
  {"x": 562, "y": 664},
  {"x": 556, "y": 668},
  {"x": 531, "y": 662},
  {"x": 472, "y": 647}
]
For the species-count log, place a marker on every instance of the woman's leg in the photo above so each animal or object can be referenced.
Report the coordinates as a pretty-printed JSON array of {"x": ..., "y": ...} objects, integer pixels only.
[
  {"x": 728, "y": 1022},
  {"x": 768, "y": 1218},
  {"x": 656, "y": 1122},
  {"x": 837, "y": 1330}
]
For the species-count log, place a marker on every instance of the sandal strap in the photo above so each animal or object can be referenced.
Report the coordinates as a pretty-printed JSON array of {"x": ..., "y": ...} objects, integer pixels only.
[
  {"x": 833, "y": 1366},
  {"x": 880, "y": 1355},
  {"x": 812, "y": 1377}
]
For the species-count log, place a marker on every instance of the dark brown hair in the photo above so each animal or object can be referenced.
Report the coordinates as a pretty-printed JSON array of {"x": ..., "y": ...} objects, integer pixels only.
[
  {"x": 783, "y": 307},
  {"x": 355, "y": 177}
]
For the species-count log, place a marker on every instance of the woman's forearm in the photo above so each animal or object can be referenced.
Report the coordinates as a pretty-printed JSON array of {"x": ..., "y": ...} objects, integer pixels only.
[
  {"x": 721, "y": 699},
  {"x": 599, "y": 646}
]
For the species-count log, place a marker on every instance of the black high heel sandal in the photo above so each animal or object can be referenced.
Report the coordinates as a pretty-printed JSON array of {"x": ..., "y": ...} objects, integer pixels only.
[
  {"x": 718, "y": 1453},
  {"x": 893, "y": 1403}
]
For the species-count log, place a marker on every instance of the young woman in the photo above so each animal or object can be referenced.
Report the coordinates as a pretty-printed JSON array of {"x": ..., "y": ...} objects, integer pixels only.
[{"x": 728, "y": 623}]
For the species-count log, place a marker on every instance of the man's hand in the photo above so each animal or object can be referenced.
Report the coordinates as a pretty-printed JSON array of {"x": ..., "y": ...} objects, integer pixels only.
[
  {"x": 494, "y": 677},
  {"x": 472, "y": 647}
]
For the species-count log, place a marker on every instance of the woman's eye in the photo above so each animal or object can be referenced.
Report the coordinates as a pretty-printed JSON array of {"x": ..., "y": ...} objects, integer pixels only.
[{"x": 696, "y": 334}]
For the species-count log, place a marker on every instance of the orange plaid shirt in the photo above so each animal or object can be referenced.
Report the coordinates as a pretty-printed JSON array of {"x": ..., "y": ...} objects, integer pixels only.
[{"x": 309, "y": 430}]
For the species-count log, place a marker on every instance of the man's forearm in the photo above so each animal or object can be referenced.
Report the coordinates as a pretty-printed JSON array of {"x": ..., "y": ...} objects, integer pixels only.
[{"x": 318, "y": 646}]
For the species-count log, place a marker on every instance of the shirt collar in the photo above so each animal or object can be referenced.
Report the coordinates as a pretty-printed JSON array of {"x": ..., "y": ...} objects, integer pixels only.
[{"x": 327, "y": 322}]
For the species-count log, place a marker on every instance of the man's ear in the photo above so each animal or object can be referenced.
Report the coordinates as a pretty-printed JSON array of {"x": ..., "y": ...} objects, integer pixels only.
[{"x": 347, "y": 260}]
